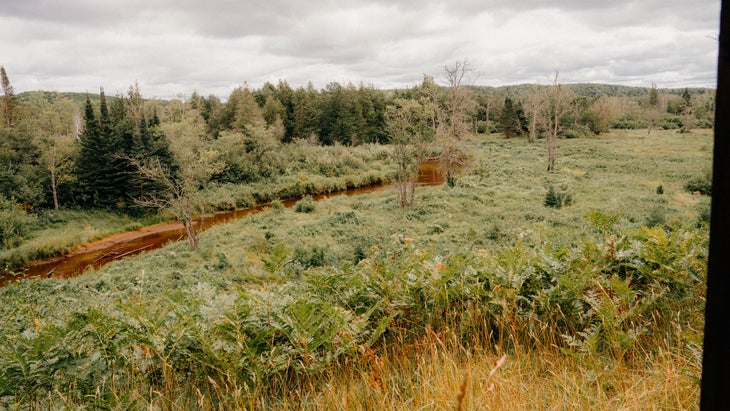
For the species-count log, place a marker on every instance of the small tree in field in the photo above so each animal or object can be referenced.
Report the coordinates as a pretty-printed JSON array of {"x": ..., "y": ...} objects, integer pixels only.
[
  {"x": 452, "y": 121},
  {"x": 179, "y": 187},
  {"x": 652, "y": 111},
  {"x": 410, "y": 135},
  {"x": 553, "y": 107},
  {"x": 687, "y": 112}
]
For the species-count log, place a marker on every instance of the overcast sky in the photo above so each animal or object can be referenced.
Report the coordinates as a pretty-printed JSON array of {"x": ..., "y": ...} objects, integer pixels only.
[{"x": 175, "y": 47}]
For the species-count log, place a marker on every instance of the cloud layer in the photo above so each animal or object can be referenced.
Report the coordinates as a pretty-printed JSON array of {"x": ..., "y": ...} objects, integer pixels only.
[{"x": 174, "y": 47}]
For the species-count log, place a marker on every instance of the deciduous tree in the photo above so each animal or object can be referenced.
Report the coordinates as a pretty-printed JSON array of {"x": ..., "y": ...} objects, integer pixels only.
[
  {"x": 553, "y": 108},
  {"x": 180, "y": 194},
  {"x": 453, "y": 125},
  {"x": 410, "y": 135}
]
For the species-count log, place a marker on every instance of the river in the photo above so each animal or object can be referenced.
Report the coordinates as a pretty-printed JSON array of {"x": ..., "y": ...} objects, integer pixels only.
[{"x": 100, "y": 252}]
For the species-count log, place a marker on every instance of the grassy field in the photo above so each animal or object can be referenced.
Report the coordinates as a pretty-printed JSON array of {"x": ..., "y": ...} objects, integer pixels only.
[{"x": 477, "y": 297}]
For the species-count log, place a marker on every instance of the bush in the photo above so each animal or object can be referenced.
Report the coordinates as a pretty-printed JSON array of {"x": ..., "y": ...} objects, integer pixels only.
[
  {"x": 601, "y": 221},
  {"x": 656, "y": 218},
  {"x": 704, "y": 212},
  {"x": 578, "y": 131},
  {"x": 628, "y": 123},
  {"x": 305, "y": 205},
  {"x": 557, "y": 199},
  {"x": 14, "y": 223},
  {"x": 701, "y": 184}
]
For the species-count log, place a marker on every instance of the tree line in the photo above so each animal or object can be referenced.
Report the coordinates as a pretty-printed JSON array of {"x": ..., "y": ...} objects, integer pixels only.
[{"x": 58, "y": 151}]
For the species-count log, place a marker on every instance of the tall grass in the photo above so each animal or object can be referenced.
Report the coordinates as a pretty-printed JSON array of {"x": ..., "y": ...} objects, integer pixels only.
[{"x": 58, "y": 232}]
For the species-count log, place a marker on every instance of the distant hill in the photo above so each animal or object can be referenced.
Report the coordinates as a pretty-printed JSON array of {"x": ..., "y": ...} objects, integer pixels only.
[
  {"x": 591, "y": 90},
  {"x": 51, "y": 96},
  {"x": 580, "y": 89}
]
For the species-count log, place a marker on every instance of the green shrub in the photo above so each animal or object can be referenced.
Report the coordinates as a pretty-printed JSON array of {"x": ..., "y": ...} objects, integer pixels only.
[
  {"x": 14, "y": 223},
  {"x": 657, "y": 217},
  {"x": 277, "y": 205},
  {"x": 314, "y": 257},
  {"x": 602, "y": 221},
  {"x": 660, "y": 189},
  {"x": 557, "y": 199},
  {"x": 704, "y": 212},
  {"x": 305, "y": 205},
  {"x": 701, "y": 184},
  {"x": 578, "y": 131}
]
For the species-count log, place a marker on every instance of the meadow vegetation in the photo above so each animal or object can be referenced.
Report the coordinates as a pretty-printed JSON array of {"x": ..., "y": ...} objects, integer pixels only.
[
  {"x": 303, "y": 169},
  {"x": 478, "y": 296}
]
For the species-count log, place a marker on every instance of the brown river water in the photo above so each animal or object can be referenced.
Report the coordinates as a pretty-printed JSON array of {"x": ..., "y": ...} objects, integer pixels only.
[{"x": 100, "y": 252}]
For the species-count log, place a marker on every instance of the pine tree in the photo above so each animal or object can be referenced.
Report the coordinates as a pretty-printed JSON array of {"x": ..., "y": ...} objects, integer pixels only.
[
  {"x": 653, "y": 96},
  {"x": 8, "y": 99},
  {"x": 103, "y": 169},
  {"x": 510, "y": 119},
  {"x": 687, "y": 112}
]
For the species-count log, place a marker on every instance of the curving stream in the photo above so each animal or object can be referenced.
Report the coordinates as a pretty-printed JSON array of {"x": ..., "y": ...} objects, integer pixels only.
[{"x": 100, "y": 252}]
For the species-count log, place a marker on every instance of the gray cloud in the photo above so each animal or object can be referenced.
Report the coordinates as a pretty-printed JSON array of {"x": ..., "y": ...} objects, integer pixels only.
[{"x": 177, "y": 46}]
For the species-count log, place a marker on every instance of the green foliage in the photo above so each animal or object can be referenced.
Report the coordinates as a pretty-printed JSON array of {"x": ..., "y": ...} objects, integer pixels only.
[
  {"x": 20, "y": 172},
  {"x": 604, "y": 222},
  {"x": 512, "y": 119},
  {"x": 660, "y": 189},
  {"x": 701, "y": 184},
  {"x": 704, "y": 213},
  {"x": 305, "y": 205},
  {"x": 14, "y": 223},
  {"x": 557, "y": 199},
  {"x": 601, "y": 299},
  {"x": 657, "y": 217},
  {"x": 576, "y": 130},
  {"x": 311, "y": 257},
  {"x": 277, "y": 302}
]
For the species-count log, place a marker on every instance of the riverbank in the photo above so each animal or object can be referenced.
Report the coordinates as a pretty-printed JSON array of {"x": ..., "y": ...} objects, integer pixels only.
[{"x": 68, "y": 232}]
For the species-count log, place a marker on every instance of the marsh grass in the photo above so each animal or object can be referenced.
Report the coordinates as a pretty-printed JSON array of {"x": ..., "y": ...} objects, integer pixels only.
[
  {"x": 58, "y": 232},
  {"x": 477, "y": 297}
]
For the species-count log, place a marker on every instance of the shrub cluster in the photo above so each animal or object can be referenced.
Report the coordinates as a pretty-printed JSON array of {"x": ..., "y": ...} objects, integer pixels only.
[
  {"x": 15, "y": 223},
  {"x": 226, "y": 341},
  {"x": 305, "y": 205},
  {"x": 701, "y": 184}
]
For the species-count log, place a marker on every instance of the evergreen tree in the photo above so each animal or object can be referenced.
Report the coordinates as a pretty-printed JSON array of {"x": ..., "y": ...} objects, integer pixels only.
[
  {"x": 285, "y": 95},
  {"x": 8, "y": 100},
  {"x": 103, "y": 169},
  {"x": 688, "y": 119},
  {"x": 305, "y": 115},
  {"x": 341, "y": 117},
  {"x": 653, "y": 96},
  {"x": 241, "y": 111},
  {"x": 511, "y": 123}
]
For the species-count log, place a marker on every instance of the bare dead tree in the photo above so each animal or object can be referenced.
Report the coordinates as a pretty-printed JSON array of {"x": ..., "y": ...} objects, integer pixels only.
[
  {"x": 533, "y": 104},
  {"x": 552, "y": 110},
  {"x": 453, "y": 126}
]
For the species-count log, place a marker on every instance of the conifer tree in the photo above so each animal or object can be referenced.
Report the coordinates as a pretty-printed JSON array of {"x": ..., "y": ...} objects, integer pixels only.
[
  {"x": 103, "y": 169},
  {"x": 687, "y": 112},
  {"x": 8, "y": 99},
  {"x": 511, "y": 119}
]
